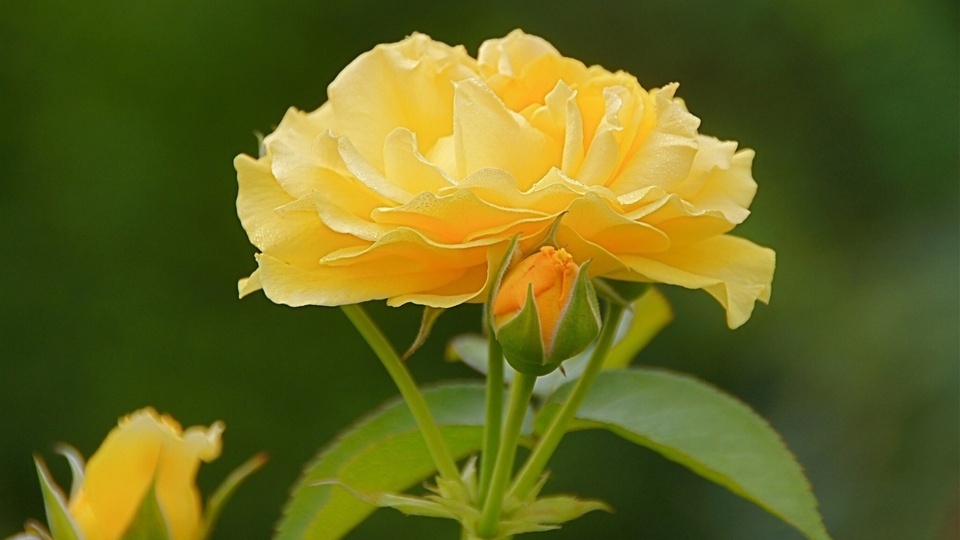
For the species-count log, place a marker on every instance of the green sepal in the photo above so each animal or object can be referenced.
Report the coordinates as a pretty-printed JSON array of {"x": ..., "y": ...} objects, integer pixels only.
[
  {"x": 61, "y": 523},
  {"x": 77, "y": 466},
  {"x": 430, "y": 316},
  {"x": 550, "y": 238},
  {"x": 521, "y": 342},
  {"x": 32, "y": 530},
  {"x": 465, "y": 490},
  {"x": 261, "y": 148},
  {"x": 547, "y": 513},
  {"x": 505, "y": 264},
  {"x": 410, "y": 505},
  {"x": 149, "y": 522},
  {"x": 579, "y": 323},
  {"x": 218, "y": 500},
  {"x": 531, "y": 515}
]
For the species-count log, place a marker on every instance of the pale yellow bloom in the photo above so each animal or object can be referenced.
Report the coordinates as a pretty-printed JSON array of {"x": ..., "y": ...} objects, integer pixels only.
[
  {"x": 144, "y": 450},
  {"x": 409, "y": 182}
]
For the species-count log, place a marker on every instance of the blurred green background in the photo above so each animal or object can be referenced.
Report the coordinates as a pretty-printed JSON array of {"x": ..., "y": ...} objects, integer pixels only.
[{"x": 121, "y": 247}]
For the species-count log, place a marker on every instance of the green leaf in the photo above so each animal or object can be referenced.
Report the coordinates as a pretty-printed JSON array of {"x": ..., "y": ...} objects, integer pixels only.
[
  {"x": 703, "y": 429},
  {"x": 61, "y": 523},
  {"x": 384, "y": 452},
  {"x": 148, "y": 523},
  {"x": 226, "y": 489}
]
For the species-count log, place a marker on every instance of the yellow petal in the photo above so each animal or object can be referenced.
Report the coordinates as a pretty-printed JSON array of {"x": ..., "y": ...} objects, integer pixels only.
[
  {"x": 368, "y": 175},
  {"x": 520, "y": 68},
  {"x": 350, "y": 283},
  {"x": 402, "y": 262},
  {"x": 294, "y": 236},
  {"x": 721, "y": 179},
  {"x": 249, "y": 285},
  {"x": 405, "y": 166},
  {"x": 443, "y": 218},
  {"x": 406, "y": 84},
  {"x": 510, "y": 55},
  {"x": 551, "y": 195},
  {"x": 681, "y": 221},
  {"x": 472, "y": 287},
  {"x": 602, "y": 262},
  {"x": 488, "y": 135},
  {"x": 665, "y": 156},
  {"x": 302, "y": 152},
  {"x": 735, "y": 271},
  {"x": 594, "y": 220},
  {"x": 176, "y": 487},
  {"x": 466, "y": 288},
  {"x": 603, "y": 155},
  {"x": 573, "y": 152}
]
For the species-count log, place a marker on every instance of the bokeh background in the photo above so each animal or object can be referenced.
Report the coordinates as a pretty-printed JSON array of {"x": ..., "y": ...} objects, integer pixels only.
[{"x": 121, "y": 247}]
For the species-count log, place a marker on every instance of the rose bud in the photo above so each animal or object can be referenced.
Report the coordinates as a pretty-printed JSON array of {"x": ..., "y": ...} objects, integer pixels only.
[
  {"x": 146, "y": 451},
  {"x": 545, "y": 312}
]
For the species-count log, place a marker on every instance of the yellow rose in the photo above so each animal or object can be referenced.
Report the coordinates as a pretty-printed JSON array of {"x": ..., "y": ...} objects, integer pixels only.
[
  {"x": 144, "y": 450},
  {"x": 409, "y": 182}
]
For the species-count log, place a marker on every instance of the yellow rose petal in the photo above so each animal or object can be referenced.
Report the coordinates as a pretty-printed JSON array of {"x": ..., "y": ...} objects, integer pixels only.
[
  {"x": 488, "y": 135},
  {"x": 735, "y": 271},
  {"x": 666, "y": 155},
  {"x": 408, "y": 168},
  {"x": 417, "y": 75},
  {"x": 302, "y": 154}
]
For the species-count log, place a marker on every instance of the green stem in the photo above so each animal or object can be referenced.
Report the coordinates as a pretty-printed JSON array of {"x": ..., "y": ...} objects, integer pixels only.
[
  {"x": 494, "y": 419},
  {"x": 538, "y": 459},
  {"x": 442, "y": 458},
  {"x": 520, "y": 393}
]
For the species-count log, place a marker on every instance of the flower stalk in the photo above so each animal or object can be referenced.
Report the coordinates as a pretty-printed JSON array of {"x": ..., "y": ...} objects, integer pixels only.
[
  {"x": 494, "y": 415},
  {"x": 520, "y": 393},
  {"x": 528, "y": 476},
  {"x": 442, "y": 458}
]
